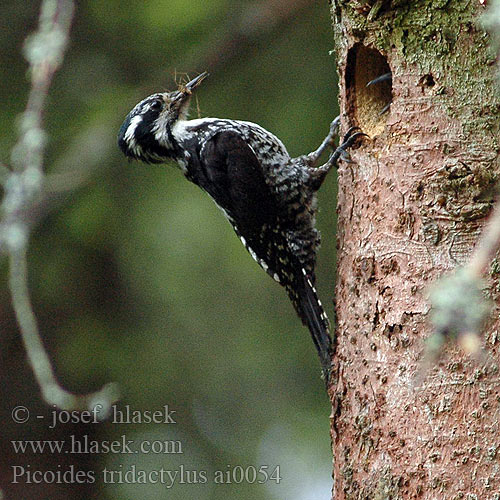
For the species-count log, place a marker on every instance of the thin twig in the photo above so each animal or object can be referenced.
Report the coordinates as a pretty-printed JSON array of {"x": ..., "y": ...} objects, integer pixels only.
[
  {"x": 44, "y": 50},
  {"x": 487, "y": 246},
  {"x": 52, "y": 392},
  {"x": 459, "y": 307}
]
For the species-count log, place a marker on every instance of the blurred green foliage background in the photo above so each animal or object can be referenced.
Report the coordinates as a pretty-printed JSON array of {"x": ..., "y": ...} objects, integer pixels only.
[{"x": 135, "y": 275}]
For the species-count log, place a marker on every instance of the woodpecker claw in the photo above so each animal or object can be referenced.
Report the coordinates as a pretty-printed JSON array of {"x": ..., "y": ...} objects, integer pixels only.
[
  {"x": 342, "y": 151},
  {"x": 319, "y": 174},
  {"x": 349, "y": 140},
  {"x": 345, "y": 156},
  {"x": 349, "y": 133}
]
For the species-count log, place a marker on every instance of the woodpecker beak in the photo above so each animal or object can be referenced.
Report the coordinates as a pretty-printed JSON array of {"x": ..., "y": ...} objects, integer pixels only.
[
  {"x": 190, "y": 86},
  {"x": 184, "y": 93},
  {"x": 180, "y": 98}
]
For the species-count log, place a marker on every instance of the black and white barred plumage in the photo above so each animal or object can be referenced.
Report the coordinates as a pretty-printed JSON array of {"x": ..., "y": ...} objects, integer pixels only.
[{"x": 268, "y": 197}]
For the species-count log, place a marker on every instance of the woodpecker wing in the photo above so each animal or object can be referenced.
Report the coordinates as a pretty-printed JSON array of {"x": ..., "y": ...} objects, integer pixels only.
[{"x": 232, "y": 175}]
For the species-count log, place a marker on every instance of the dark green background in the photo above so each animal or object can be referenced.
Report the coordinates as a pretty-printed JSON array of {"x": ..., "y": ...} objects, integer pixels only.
[{"x": 137, "y": 278}]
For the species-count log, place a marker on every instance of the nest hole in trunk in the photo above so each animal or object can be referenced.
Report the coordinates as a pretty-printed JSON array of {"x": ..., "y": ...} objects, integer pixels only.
[{"x": 368, "y": 105}]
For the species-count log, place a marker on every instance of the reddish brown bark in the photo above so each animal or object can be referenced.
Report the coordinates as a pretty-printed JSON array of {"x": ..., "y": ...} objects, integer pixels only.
[{"x": 410, "y": 209}]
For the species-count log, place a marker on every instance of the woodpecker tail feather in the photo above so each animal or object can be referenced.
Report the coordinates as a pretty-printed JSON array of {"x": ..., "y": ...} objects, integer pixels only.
[{"x": 312, "y": 314}]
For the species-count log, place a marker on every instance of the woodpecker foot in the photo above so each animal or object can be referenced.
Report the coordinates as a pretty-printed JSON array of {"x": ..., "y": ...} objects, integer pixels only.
[
  {"x": 319, "y": 174},
  {"x": 313, "y": 158},
  {"x": 342, "y": 151}
]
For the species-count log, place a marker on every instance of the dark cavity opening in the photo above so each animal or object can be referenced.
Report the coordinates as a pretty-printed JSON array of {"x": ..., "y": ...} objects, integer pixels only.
[
  {"x": 369, "y": 105},
  {"x": 427, "y": 81}
]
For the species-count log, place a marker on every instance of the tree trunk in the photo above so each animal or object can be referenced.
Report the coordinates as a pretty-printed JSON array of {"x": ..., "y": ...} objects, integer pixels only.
[{"x": 411, "y": 207}]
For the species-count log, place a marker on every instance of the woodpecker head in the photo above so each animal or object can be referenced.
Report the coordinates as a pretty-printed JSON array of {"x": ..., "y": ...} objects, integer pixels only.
[{"x": 146, "y": 133}]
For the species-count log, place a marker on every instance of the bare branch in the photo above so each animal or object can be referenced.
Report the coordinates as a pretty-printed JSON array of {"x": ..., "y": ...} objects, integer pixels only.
[
  {"x": 24, "y": 192},
  {"x": 44, "y": 51},
  {"x": 52, "y": 392},
  {"x": 487, "y": 246},
  {"x": 459, "y": 307},
  {"x": 458, "y": 303}
]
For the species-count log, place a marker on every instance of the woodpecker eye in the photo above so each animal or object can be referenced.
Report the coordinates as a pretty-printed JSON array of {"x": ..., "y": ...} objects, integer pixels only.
[{"x": 156, "y": 105}]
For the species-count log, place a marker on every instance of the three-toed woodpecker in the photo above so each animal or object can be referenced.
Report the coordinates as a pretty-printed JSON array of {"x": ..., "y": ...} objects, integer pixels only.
[{"x": 268, "y": 197}]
